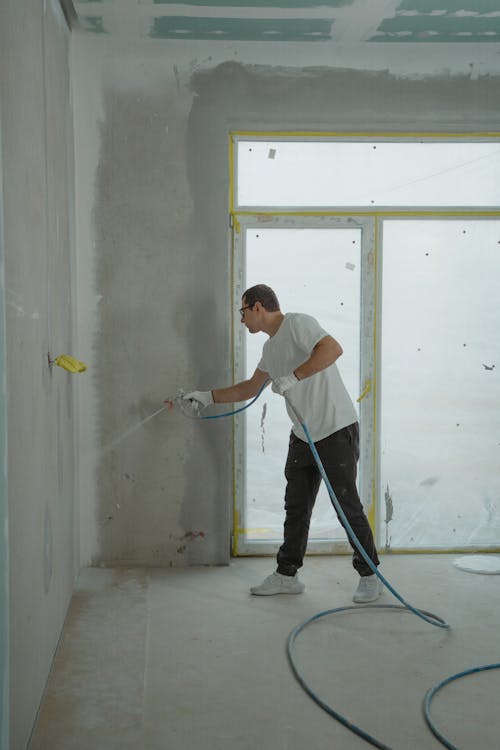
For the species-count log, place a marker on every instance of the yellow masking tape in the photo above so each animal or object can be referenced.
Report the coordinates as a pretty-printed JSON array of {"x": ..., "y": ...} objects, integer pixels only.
[
  {"x": 267, "y": 135},
  {"x": 69, "y": 363},
  {"x": 236, "y": 223},
  {"x": 382, "y": 213},
  {"x": 366, "y": 390},
  {"x": 231, "y": 175}
]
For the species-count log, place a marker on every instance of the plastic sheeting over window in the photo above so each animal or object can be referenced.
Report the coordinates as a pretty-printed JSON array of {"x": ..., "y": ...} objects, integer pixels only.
[
  {"x": 440, "y": 384},
  {"x": 371, "y": 173}
]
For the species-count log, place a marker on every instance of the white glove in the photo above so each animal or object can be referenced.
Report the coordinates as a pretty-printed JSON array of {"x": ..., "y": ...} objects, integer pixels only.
[
  {"x": 283, "y": 384},
  {"x": 199, "y": 399}
]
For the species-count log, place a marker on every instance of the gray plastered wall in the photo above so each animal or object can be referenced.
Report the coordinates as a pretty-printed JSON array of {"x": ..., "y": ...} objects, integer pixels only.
[
  {"x": 38, "y": 203},
  {"x": 158, "y": 210}
]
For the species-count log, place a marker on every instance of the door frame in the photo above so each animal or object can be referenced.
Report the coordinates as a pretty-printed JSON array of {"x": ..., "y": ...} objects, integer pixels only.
[{"x": 368, "y": 471}]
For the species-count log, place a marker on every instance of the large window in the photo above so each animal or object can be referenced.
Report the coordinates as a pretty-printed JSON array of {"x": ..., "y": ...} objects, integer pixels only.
[
  {"x": 368, "y": 173},
  {"x": 440, "y": 384},
  {"x": 394, "y": 245}
]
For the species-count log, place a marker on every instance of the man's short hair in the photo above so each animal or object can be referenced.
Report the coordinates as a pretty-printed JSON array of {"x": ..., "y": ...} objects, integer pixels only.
[{"x": 263, "y": 294}]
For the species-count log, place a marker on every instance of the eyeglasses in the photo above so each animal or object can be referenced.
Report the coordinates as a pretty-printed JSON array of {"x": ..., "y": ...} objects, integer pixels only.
[{"x": 242, "y": 311}]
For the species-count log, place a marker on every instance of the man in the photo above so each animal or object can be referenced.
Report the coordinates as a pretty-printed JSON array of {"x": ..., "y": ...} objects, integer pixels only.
[{"x": 299, "y": 357}]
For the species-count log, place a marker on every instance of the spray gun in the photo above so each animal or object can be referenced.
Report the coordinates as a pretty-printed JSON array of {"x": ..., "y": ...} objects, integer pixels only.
[
  {"x": 192, "y": 408},
  {"x": 189, "y": 407}
]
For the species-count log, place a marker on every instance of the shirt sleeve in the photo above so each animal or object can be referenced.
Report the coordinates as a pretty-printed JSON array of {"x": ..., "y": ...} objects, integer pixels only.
[{"x": 307, "y": 332}]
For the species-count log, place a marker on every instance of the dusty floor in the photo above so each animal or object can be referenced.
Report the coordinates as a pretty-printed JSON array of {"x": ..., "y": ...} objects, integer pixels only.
[{"x": 183, "y": 659}]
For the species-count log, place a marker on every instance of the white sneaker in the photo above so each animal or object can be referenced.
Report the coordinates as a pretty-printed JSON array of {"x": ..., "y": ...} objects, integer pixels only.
[
  {"x": 369, "y": 589},
  {"x": 277, "y": 583}
]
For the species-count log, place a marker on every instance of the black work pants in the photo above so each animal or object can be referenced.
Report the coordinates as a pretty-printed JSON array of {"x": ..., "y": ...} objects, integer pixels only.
[{"x": 339, "y": 454}]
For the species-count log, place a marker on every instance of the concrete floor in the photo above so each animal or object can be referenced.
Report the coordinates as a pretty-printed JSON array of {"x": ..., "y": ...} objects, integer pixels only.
[{"x": 183, "y": 659}]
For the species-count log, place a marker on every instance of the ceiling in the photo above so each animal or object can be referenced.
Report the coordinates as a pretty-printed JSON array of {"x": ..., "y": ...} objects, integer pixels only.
[{"x": 373, "y": 21}]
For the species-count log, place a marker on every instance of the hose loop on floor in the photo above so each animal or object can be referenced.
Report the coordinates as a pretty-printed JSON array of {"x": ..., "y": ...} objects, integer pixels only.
[
  {"x": 423, "y": 614},
  {"x": 428, "y": 617},
  {"x": 432, "y": 692}
]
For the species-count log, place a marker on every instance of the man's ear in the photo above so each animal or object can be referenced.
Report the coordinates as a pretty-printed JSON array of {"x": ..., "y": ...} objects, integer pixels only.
[{"x": 258, "y": 306}]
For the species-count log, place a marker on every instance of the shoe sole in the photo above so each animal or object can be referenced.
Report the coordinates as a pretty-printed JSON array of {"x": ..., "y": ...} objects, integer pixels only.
[{"x": 274, "y": 593}]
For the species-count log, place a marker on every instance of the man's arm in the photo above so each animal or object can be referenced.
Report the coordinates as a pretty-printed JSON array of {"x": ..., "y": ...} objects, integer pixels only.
[
  {"x": 324, "y": 354},
  {"x": 241, "y": 391}
]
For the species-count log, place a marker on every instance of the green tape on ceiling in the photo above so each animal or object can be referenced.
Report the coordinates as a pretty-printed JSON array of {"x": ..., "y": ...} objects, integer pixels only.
[
  {"x": 432, "y": 28},
  {"x": 450, "y": 6},
  {"x": 241, "y": 29},
  {"x": 442, "y": 24},
  {"x": 93, "y": 23},
  {"x": 261, "y": 3}
]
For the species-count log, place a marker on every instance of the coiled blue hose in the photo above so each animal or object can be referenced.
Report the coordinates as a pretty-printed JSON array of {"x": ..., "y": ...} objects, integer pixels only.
[
  {"x": 432, "y": 692},
  {"x": 429, "y": 617}
]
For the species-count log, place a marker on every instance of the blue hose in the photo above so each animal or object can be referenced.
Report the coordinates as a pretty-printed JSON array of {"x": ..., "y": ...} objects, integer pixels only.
[
  {"x": 432, "y": 619},
  {"x": 432, "y": 692},
  {"x": 429, "y": 617},
  {"x": 236, "y": 411},
  {"x": 304, "y": 685}
]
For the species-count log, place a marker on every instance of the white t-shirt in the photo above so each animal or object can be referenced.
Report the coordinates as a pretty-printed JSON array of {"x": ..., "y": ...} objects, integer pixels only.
[{"x": 322, "y": 399}]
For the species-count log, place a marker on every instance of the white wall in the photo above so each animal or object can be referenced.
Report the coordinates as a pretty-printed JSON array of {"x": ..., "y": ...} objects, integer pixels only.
[
  {"x": 37, "y": 177},
  {"x": 152, "y": 124}
]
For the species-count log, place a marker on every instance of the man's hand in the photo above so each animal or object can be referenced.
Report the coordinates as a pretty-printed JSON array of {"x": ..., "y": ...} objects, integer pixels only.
[
  {"x": 283, "y": 384},
  {"x": 199, "y": 399}
]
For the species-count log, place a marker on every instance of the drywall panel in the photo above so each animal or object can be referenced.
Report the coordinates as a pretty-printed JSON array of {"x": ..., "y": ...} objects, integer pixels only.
[
  {"x": 38, "y": 193},
  {"x": 152, "y": 132},
  {"x": 4, "y": 516}
]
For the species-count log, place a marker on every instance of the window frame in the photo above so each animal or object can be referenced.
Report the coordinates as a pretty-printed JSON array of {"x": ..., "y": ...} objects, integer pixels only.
[{"x": 241, "y": 217}]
